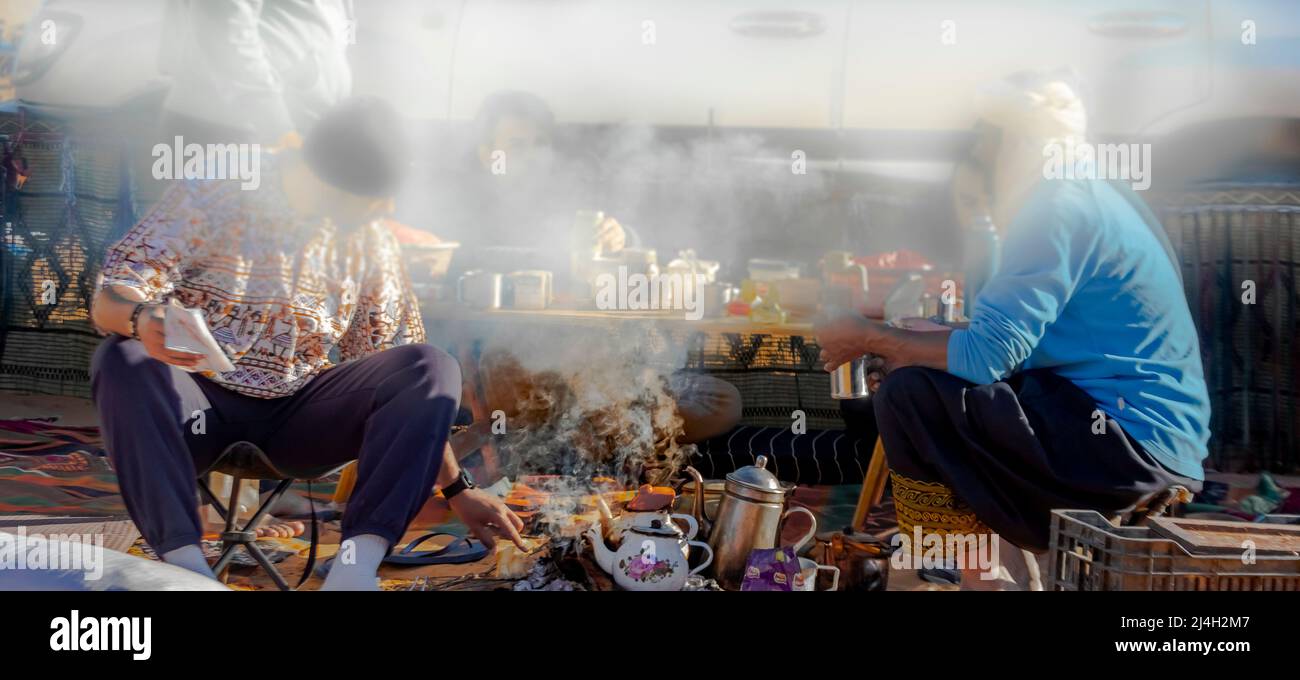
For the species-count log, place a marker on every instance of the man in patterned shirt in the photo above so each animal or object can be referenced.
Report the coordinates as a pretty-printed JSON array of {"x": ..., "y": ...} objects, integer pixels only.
[{"x": 304, "y": 290}]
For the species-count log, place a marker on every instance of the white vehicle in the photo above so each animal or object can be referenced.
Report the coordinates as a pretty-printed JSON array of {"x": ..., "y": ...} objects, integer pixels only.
[{"x": 1150, "y": 66}]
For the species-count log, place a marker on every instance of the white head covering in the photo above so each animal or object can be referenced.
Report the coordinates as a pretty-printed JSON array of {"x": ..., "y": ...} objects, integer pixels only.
[
  {"x": 1036, "y": 105},
  {"x": 1033, "y": 110}
]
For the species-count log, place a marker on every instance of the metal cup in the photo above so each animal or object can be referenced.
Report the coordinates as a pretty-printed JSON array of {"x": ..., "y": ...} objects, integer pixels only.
[
  {"x": 479, "y": 289},
  {"x": 849, "y": 380}
]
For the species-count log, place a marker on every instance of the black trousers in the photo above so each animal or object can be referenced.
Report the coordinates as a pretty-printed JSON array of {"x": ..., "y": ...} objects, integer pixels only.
[
  {"x": 391, "y": 411},
  {"x": 1007, "y": 453}
]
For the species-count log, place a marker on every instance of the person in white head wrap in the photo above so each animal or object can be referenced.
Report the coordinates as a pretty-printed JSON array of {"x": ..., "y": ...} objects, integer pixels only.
[
  {"x": 1021, "y": 118},
  {"x": 1078, "y": 381}
]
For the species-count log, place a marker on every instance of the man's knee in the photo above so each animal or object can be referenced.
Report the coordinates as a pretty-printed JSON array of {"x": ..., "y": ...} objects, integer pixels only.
[
  {"x": 120, "y": 361},
  {"x": 859, "y": 416},
  {"x": 903, "y": 386},
  {"x": 430, "y": 368}
]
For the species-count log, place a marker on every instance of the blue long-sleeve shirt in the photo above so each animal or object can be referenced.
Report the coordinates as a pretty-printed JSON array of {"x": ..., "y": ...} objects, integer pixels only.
[{"x": 1087, "y": 290}]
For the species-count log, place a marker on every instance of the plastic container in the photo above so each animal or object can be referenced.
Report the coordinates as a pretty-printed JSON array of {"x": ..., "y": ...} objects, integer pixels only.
[{"x": 1090, "y": 553}]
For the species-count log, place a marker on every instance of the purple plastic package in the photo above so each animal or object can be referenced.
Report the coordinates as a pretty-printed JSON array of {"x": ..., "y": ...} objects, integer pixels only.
[{"x": 770, "y": 569}]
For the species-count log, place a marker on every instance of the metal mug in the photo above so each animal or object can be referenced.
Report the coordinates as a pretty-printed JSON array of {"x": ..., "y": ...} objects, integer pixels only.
[
  {"x": 530, "y": 289},
  {"x": 849, "y": 379},
  {"x": 808, "y": 570},
  {"x": 479, "y": 289}
]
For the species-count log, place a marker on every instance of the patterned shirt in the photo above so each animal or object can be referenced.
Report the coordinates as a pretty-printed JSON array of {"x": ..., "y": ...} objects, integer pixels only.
[{"x": 280, "y": 291}]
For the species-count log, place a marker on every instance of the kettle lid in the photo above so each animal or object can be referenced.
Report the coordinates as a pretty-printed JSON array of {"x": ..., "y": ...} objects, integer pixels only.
[
  {"x": 658, "y": 528},
  {"x": 757, "y": 477}
]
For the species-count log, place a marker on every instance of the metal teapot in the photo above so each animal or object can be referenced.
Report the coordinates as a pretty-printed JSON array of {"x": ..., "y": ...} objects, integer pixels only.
[{"x": 749, "y": 517}]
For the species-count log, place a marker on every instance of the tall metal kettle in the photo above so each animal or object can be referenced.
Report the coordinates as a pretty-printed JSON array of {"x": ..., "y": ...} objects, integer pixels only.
[{"x": 749, "y": 517}]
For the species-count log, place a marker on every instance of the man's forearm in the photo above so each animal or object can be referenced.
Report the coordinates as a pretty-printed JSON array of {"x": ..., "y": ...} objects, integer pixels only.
[
  {"x": 450, "y": 470},
  {"x": 914, "y": 348},
  {"x": 113, "y": 306}
]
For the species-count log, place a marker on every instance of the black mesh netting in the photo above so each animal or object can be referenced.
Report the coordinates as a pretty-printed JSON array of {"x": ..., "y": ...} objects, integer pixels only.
[
  {"x": 67, "y": 195},
  {"x": 1240, "y": 249}
]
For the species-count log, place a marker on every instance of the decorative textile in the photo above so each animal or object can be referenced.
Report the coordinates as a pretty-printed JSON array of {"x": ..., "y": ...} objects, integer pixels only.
[{"x": 933, "y": 507}]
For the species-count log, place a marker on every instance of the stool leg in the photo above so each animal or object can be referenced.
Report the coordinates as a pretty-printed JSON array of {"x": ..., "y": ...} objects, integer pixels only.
[
  {"x": 206, "y": 492},
  {"x": 248, "y": 539},
  {"x": 222, "y": 567},
  {"x": 267, "y": 566},
  {"x": 873, "y": 486},
  {"x": 265, "y": 508}
]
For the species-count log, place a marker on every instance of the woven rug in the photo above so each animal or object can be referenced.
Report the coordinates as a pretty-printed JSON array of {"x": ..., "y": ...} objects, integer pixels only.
[{"x": 53, "y": 470}]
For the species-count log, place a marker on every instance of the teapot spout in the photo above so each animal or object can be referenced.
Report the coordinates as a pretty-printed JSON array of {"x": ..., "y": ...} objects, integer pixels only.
[
  {"x": 604, "y": 556},
  {"x": 606, "y": 516},
  {"x": 697, "y": 501}
]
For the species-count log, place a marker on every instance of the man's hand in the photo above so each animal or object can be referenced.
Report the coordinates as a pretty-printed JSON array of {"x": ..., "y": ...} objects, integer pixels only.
[
  {"x": 877, "y": 369},
  {"x": 488, "y": 517},
  {"x": 610, "y": 236},
  {"x": 920, "y": 344},
  {"x": 848, "y": 338},
  {"x": 149, "y": 326}
]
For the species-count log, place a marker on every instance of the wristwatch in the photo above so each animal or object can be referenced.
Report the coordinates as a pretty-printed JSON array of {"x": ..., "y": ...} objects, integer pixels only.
[{"x": 465, "y": 482}]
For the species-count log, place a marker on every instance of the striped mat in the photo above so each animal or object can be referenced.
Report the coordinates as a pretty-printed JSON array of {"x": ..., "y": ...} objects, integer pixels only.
[{"x": 815, "y": 457}]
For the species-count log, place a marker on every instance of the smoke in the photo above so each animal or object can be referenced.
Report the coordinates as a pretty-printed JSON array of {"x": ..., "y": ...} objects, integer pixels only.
[
  {"x": 588, "y": 402},
  {"x": 730, "y": 196},
  {"x": 589, "y": 409}
]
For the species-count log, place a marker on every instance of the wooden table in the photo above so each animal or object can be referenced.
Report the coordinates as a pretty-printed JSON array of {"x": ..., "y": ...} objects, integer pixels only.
[{"x": 445, "y": 313}]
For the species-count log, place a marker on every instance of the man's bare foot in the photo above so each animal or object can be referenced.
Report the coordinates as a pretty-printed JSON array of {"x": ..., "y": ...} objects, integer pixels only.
[{"x": 274, "y": 528}]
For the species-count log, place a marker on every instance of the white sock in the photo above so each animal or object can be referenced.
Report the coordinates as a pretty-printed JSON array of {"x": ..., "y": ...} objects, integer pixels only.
[
  {"x": 189, "y": 557},
  {"x": 356, "y": 565}
]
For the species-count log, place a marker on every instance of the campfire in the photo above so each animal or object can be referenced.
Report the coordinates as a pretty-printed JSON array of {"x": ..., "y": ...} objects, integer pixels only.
[{"x": 603, "y": 411}]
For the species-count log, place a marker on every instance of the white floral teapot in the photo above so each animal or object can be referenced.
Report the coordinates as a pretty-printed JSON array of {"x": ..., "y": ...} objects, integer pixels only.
[{"x": 650, "y": 557}]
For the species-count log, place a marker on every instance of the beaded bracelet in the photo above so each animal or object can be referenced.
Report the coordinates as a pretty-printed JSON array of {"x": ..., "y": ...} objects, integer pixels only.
[{"x": 135, "y": 315}]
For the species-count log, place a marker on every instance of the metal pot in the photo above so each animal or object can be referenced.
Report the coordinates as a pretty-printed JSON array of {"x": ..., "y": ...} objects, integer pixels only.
[
  {"x": 862, "y": 560},
  {"x": 750, "y": 517}
]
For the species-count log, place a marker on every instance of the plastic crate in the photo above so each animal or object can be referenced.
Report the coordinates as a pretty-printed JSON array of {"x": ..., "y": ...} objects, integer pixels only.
[{"x": 1090, "y": 553}]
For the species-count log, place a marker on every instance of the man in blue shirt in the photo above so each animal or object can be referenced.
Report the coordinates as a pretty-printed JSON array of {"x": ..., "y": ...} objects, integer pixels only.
[{"x": 1078, "y": 382}]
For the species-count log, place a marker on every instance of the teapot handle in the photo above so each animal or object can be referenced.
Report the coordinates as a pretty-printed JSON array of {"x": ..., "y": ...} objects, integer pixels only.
[
  {"x": 835, "y": 574},
  {"x": 693, "y": 526},
  {"x": 707, "y": 561},
  {"x": 812, "y": 530}
]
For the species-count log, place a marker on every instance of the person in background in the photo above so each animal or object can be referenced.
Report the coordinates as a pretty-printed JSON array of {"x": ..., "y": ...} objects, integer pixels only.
[
  {"x": 505, "y": 192},
  {"x": 252, "y": 71},
  {"x": 1078, "y": 382},
  {"x": 508, "y": 189},
  {"x": 286, "y": 276}
]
